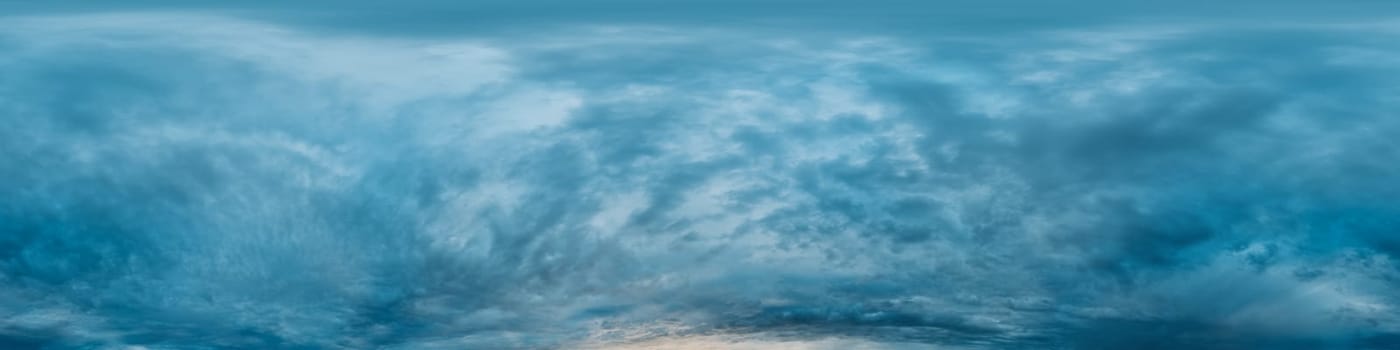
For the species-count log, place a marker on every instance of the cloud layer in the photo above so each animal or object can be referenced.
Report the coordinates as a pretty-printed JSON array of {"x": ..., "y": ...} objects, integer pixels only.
[{"x": 182, "y": 180}]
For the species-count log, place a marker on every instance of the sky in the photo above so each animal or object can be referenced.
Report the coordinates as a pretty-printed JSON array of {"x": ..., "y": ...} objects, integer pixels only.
[{"x": 769, "y": 174}]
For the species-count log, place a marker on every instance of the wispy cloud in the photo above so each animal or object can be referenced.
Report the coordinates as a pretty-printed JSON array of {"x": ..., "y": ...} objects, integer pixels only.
[{"x": 184, "y": 179}]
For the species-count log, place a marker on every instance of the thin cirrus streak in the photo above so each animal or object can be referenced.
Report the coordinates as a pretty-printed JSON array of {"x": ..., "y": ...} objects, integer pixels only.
[{"x": 211, "y": 179}]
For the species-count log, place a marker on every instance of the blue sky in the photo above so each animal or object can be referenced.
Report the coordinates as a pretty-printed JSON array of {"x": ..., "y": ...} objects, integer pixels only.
[{"x": 700, "y": 175}]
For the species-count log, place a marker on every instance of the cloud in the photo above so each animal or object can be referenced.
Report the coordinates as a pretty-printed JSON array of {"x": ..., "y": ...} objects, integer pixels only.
[{"x": 183, "y": 180}]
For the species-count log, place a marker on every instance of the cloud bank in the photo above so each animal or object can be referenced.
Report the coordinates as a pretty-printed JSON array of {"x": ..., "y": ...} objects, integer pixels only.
[{"x": 181, "y": 180}]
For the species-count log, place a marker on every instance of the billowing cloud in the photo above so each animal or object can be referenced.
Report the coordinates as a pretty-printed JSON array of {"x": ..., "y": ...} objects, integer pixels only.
[{"x": 194, "y": 180}]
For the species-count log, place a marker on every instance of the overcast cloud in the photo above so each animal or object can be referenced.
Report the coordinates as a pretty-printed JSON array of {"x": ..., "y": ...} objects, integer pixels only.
[{"x": 629, "y": 176}]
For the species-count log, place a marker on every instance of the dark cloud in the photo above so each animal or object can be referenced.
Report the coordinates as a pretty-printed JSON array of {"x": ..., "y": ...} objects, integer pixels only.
[{"x": 260, "y": 184}]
